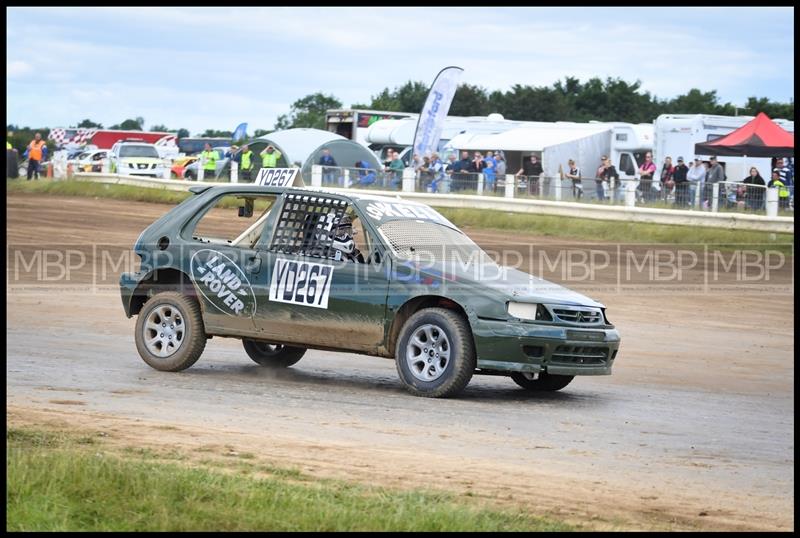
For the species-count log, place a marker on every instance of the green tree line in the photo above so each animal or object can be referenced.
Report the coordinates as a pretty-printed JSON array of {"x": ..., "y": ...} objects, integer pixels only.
[{"x": 612, "y": 99}]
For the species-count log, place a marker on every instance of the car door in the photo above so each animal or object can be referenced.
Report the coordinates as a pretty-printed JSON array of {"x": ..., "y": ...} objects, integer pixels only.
[
  {"x": 306, "y": 295},
  {"x": 223, "y": 262}
]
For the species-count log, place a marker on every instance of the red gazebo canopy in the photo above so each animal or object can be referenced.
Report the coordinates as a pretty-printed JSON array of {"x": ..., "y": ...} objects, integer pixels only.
[{"x": 760, "y": 137}]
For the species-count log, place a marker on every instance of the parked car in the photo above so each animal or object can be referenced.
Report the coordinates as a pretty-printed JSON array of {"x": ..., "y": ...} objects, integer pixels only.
[
  {"x": 178, "y": 168},
  {"x": 307, "y": 268},
  {"x": 90, "y": 161},
  {"x": 190, "y": 171},
  {"x": 135, "y": 157}
]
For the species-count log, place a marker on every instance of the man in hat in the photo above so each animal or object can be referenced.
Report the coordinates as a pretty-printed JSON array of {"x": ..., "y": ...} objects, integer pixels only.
[
  {"x": 715, "y": 175},
  {"x": 679, "y": 177}
]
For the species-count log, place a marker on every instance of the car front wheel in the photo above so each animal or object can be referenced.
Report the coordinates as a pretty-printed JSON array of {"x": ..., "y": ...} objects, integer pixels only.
[
  {"x": 272, "y": 355},
  {"x": 435, "y": 353},
  {"x": 170, "y": 335},
  {"x": 542, "y": 382}
]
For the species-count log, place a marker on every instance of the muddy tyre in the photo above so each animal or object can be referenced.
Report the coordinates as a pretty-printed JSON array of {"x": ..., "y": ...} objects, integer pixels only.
[
  {"x": 435, "y": 353},
  {"x": 272, "y": 355},
  {"x": 545, "y": 382},
  {"x": 170, "y": 335}
]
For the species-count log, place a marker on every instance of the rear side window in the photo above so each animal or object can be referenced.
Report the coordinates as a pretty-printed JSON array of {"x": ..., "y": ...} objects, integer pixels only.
[{"x": 305, "y": 225}]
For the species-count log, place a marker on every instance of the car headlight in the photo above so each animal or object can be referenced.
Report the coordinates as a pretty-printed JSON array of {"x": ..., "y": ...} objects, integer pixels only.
[{"x": 529, "y": 311}]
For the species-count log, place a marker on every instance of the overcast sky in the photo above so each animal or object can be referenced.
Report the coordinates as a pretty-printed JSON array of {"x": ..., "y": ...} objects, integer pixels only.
[{"x": 204, "y": 68}]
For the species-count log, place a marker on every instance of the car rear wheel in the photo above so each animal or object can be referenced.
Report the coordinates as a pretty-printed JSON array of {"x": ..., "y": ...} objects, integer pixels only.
[
  {"x": 542, "y": 381},
  {"x": 190, "y": 176},
  {"x": 272, "y": 355},
  {"x": 435, "y": 354},
  {"x": 170, "y": 335}
]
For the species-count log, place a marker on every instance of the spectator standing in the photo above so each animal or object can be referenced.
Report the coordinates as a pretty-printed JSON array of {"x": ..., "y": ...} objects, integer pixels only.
[
  {"x": 715, "y": 175},
  {"x": 437, "y": 172},
  {"x": 461, "y": 171},
  {"x": 490, "y": 157},
  {"x": 667, "y": 182},
  {"x": 500, "y": 165},
  {"x": 680, "y": 179},
  {"x": 609, "y": 173},
  {"x": 416, "y": 164},
  {"x": 574, "y": 173},
  {"x": 451, "y": 164},
  {"x": 600, "y": 177},
  {"x": 396, "y": 168},
  {"x": 490, "y": 175},
  {"x": 532, "y": 170},
  {"x": 424, "y": 173},
  {"x": 12, "y": 167},
  {"x": 783, "y": 191},
  {"x": 477, "y": 164},
  {"x": 36, "y": 153},
  {"x": 696, "y": 177},
  {"x": 327, "y": 162},
  {"x": 209, "y": 159},
  {"x": 754, "y": 196},
  {"x": 646, "y": 172},
  {"x": 245, "y": 160},
  {"x": 269, "y": 157},
  {"x": 787, "y": 175}
]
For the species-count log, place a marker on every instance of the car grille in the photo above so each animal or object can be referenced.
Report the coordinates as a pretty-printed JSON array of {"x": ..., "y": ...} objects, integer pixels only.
[
  {"x": 581, "y": 316},
  {"x": 143, "y": 166},
  {"x": 580, "y": 355}
]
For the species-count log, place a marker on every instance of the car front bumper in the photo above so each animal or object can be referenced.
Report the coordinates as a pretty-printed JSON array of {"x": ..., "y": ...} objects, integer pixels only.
[
  {"x": 507, "y": 346},
  {"x": 142, "y": 172}
]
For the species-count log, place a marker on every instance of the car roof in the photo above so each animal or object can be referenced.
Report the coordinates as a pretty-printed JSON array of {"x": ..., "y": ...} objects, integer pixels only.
[
  {"x": 385, "y": 208},
  {"x": 249, "y": 187}
]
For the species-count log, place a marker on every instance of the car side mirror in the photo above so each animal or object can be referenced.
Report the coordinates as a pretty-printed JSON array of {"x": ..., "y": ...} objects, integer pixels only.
[{"x": 247, "y": 209}]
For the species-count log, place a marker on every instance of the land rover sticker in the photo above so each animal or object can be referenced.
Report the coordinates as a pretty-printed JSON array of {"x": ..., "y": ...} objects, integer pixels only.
[
  {"x": 223, "y": 283},
  {"x": 276, "y": 177},
  {"x": 301, "y": 283}
]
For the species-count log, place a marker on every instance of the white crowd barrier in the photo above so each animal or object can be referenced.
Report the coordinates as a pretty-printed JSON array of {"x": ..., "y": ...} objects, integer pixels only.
[{"x": 741, "y": 221}]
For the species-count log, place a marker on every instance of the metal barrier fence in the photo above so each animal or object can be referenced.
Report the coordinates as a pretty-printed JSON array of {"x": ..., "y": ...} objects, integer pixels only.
[{"x": 727, "y": 196}]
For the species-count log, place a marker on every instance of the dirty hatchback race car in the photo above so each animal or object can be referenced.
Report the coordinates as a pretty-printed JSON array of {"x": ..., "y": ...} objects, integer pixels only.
[{"x": 302, "y": 268}]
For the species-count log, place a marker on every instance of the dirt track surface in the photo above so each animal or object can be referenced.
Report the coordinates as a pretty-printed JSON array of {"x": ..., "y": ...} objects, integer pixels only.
[{"x": 693, "y": 430}]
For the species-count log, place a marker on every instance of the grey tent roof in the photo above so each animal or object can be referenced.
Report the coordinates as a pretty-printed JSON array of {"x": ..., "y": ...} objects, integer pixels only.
[
  {"x": 305, "y": 146},
  {"x": 298, "y": 144}
]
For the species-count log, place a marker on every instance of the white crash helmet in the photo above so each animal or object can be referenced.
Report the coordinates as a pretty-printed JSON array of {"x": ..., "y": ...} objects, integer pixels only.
[{"x": 343, "y": 235}]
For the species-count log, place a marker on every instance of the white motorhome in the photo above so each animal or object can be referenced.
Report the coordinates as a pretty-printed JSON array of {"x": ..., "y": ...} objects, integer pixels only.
[
  {"x": 676, "y": 134},
  {"x": 555, "y": 143},
  {"x": 399, "y": 133}
]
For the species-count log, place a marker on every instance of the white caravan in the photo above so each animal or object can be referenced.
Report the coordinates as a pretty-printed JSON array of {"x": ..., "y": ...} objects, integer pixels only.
[
  {"x": 676, "y": 134},
  {"x": 399, "y": 133},
  {"x": 555, "y": 143}
]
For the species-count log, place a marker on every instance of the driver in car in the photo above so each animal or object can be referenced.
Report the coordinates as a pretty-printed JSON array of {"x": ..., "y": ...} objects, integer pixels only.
[{"x": 343, "y": 241}]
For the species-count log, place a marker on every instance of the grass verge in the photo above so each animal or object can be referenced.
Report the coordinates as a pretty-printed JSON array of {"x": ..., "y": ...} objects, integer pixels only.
[
  {"x": 545, "y": 225},
  {"x": 615, "y": 231},
  {"x": 69, "y": 482}
]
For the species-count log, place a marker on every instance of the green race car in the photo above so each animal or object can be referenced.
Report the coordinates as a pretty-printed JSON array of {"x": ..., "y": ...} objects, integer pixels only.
[{"x": 302, "y": 268}]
